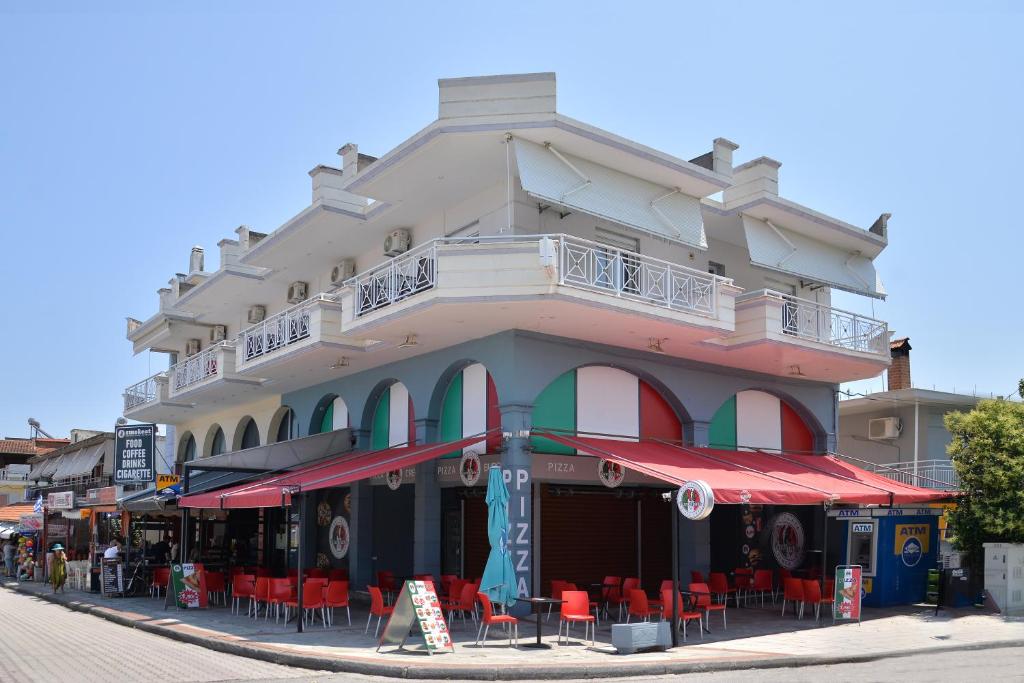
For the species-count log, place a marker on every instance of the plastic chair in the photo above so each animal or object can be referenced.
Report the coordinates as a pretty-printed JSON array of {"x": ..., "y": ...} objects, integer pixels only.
[
  {"x": 685, "y": 615},
  {"x": 666, "y": 585},
  {"x": 242, "y": 586},
  {"x": 488, "y": 617},
  {"x": 466, "y": 604},
  {"x": 280, "y": 593},
  {"x": 702, "y": 602},
  {"x": 386, "y": 583},
  {"x": 793, "y": 591},
  {"x": 454, "y": 591},
  {"x": 813, "y": 596},
  {"x": 215, "y": 584},
  {"x": 444, "y": 588},
  {"x": 593, "y": 604},
  {"x": 337, "y": 596},
  {"x": 744, "y": 581},
  {"x": 261, "y": 594},
  {"x": 377, "y": 609},
  {"x": 312, "y": 600},
  {"x": 161, "y": 575},
  {"x": 317, "y": 574},
  {"x": 696, "y": 577},
  {"x": 639, "y": 606},
  {"x": 337, "y": 575},
  {"x": 611, "y": 590},
  {"x": 575, "y": 607},
  {"x": 763, "y": 584},
  {"x": 719, "y": 585},
  {"x": 628, "y": 585}
]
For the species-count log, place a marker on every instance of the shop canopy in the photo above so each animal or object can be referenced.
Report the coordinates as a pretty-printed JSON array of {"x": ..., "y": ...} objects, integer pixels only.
[
  {"x": 277, "y": 490},
  {"x": 278, "y": 456},
  {"x": 151, "y": 500},
  {"x": 14, "y": 511},
  {"x": 753, "y": 476}
]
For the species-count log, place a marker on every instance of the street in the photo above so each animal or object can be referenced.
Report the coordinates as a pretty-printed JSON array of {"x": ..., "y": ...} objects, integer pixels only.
[{"x": 42, "y": 641}]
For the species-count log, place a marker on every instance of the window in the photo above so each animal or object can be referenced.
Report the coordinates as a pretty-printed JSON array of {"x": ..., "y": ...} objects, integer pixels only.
[
  {"x": 286, "y": 428},
  {"x": 218, "y": 447},
  {"x": 251, "y": 435},
  {"x": 716, "y": 268},
  {"x": 863, "y": 545}
]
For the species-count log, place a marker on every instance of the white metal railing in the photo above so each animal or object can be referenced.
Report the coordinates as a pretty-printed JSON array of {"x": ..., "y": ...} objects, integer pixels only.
[
  {"x": 817, "y": 322},
  {"x": 398, "y": 279},
  {"x": 929, "y": 474},
  {"x": 12, "y": 476},
  {"x": 280, "y": 330},
  {"x": 142, "y": 392},
  {"x": 197, "y": 368},
  {"x": 600, "y": 268}
]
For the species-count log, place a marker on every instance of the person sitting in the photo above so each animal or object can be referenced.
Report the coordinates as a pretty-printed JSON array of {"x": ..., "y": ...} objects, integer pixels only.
[{"x": 113, "y": 551}]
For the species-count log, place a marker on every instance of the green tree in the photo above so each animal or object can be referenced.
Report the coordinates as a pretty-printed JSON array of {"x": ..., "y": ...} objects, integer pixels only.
[{"x": 987, "y": 451}]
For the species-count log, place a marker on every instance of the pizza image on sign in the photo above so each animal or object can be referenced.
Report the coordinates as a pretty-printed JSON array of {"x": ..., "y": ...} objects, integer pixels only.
[
  {"x": 695, "y": 500},
  {"x": 338, "y": 537},
  {"x": 610, "y": 473}
]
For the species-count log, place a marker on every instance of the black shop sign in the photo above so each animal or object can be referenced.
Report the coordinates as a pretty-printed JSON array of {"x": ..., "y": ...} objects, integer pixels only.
[{"x": 134, "y": 460}]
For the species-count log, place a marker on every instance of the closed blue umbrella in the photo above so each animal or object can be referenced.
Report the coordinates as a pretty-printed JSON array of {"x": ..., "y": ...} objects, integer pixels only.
[{"x": 499, "y": 579}]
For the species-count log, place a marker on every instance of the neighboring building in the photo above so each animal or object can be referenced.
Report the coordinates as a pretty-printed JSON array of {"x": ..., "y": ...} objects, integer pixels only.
[
  {"x": 14, "y": 467},
  {"x": 508, "y": 268},
  {"x": 902, "y": 430}
]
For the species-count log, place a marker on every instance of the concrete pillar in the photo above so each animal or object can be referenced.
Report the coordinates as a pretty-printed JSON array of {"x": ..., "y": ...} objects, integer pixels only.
[
  {"x": 427, "y": 522},
  {"x": 701, "y": 433},
  {"x": 515, "y": 463},
  {"x": 360, "y": 552},
  {"x": 694, "y": 546}
]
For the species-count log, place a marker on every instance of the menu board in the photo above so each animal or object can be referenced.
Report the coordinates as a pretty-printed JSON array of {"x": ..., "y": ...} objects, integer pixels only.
[
  {"x": 846, "y": 605},
  {"x": 417, "y": 605},
  {"x": 189, "y": 585},
  {"x": 111, "y": 577}
]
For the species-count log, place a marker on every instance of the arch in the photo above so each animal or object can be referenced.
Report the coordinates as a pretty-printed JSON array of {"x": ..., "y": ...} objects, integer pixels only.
[
  {"x": 391, "y": 416},
  {"x": 468, "y": 406},
  {"x": 247, "y": 434},
  {"x": 764, "y": 419},
  {"x": 283, "y": 425},
  {"x": 603, "y": 399},
  {"x": 186, "y": 449},
  {"x": 331, "y": 413},
  {"x": 214, "y": 443}
]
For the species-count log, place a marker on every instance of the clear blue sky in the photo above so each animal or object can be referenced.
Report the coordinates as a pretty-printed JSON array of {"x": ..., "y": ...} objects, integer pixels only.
[{"x": 126, "y": 137}]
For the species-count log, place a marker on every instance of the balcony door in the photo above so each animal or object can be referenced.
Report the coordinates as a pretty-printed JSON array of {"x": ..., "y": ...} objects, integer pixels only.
[{"x": 616, "y": 262}]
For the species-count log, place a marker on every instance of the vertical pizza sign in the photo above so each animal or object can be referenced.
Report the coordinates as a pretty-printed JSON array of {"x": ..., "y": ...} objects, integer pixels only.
[
  {"x": 189, "y": 586},
  {"x": 846, "y": 605}
]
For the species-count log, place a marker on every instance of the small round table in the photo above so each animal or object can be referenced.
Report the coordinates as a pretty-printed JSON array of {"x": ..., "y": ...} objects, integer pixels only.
[{"x": 538, "y": 604}]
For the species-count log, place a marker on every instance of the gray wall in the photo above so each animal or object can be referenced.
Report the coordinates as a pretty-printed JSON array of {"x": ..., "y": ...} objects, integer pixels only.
[{"x": 931, "y": 431}]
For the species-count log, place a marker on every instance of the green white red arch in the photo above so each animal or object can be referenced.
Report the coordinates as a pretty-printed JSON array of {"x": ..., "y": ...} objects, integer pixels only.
[
  {"x": 470, "y": 406},
  {"x": 759, "y": 420},
  {"x": 393, "y": 419}
]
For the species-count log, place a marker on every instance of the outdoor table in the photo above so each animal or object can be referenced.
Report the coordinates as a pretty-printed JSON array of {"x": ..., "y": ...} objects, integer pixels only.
[{"x": 538, "y": 604}]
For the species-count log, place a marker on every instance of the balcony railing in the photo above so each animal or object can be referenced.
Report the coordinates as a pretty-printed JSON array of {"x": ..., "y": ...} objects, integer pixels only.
[
  {"x": 596, "y": 267},
  {"x": 929, "y": 474},
  {"x": 280, "y": 330},
  {"x": 398, "y": 279},
  {"x": 197, "y": 368},
  {"x": 142, "y": 392},
  {"x": 817, "y": 322}
]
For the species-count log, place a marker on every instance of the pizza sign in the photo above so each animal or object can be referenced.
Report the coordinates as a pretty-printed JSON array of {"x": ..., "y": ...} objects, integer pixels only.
[
  {"x": 695, "y": 500},
  {"x": 610, "y": 473}
]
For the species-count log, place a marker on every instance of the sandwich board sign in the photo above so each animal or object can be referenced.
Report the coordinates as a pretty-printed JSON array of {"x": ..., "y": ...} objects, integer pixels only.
[
  {"x": 417, "y": 605},
  {"x": 188, "y": 581},
  {"x": 846, "y": 600}
]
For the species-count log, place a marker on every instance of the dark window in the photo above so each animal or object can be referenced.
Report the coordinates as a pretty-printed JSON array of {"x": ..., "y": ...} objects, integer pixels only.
[
  {"x": 251, "y": 435},
  {"x": 716, "y": 268},
  {"x": 217, "y": 447},
  {"x": 286, "y": 429}
]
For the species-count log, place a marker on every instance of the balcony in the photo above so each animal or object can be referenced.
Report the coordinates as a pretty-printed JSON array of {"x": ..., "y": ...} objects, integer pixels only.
[
  {"x": 813, "y": 339},
  {"x": 396, "y": 280},
  {"x": 929, "y": 474},
  {"x": 145, "y": 392}
]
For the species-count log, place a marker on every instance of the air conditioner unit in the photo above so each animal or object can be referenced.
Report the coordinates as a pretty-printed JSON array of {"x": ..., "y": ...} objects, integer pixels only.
[
  {"x": 192, "y": 347},
  {"x": 345, "y": 269},
  {"x": 884, "y": 428},
  {"x": 218, "y": 333},
  {"x": 257, "y": 314},
  {"x": 398, "y": 242},
  {"x": 297, "y": 292}
]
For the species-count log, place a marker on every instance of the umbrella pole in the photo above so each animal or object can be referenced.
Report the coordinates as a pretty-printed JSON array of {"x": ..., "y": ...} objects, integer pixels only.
[{"x": 675, "y": 576}]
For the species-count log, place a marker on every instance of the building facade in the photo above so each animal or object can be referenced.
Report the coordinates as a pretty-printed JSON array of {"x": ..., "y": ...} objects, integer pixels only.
[{"x": 504, "y": 270}]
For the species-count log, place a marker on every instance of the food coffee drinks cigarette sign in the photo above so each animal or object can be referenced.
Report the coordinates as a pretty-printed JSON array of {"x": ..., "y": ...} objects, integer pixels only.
[{"x": 133, "y": 454}]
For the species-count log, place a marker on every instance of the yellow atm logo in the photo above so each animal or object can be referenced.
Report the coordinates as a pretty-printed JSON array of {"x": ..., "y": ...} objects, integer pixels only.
[
  {"x": 164, "y": 481},
  {"x": 912, "y": 542}
]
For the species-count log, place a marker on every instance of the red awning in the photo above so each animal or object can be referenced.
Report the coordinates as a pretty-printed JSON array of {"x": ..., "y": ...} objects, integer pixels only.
[
  {"x": 752, "y": 476},
  {"x": 277, "y": 490}
]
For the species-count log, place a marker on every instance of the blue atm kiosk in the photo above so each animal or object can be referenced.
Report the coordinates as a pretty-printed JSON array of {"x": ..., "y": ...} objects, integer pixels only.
[{"x": 896, "y": 547}]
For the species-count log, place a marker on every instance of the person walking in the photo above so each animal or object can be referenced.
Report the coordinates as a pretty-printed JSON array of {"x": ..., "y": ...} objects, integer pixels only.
[
  {"x": 58, "y": 568},
  {"x": 10, "y": 550}
]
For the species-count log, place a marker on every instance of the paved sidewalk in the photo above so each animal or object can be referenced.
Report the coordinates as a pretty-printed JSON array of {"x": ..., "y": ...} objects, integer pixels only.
[{"x": 755, "y": 638}]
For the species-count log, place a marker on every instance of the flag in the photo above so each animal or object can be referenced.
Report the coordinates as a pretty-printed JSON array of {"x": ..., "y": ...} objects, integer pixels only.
[{"x": 39, "y": 504}]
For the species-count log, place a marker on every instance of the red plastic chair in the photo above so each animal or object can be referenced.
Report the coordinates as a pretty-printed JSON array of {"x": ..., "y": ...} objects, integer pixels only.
[
  {"x": 813, "y": 596},
  {"x": 488, "y": 617},
  {"x": 454, "y": 591},
  {"x": 261, "y": 594},
  {"x": 686, "y": 614},
  {"x": 377, "y": 609},
  {"x": 595, "y": 607},
  {"x": 696, "y": 577},
  {"x": 744, "y": 581},
  {"x": 242, "y": 586},
  {"x": 337, "y": 596},
  {"x": 466, "y": 604},
  {"x": 280, "y": 593},
  {"x": 763, "y": 583},
  {"x": 628, "y": 585},
  {"x": 337, "y": 575},
  {"x": 576, "y": 607},
  {"x": 262, "y": 571},
  {"x": 312, "y": 600},
  {"x": 215, "y": 584},
  {"x": 793, "y": 591},
  {"x": 666, "y": 585},
  {"x": 386, "y": 583},
  {"x": 316, "y": 574},
  {"x": 639, "y": 606},
  {"x": 161, "y": 575},
  {"x": 702, "y": 602},
  {"x": 446, "y": 582},
  {"x": 611, "y": 591},
  {"x": 719, "y": 585}
]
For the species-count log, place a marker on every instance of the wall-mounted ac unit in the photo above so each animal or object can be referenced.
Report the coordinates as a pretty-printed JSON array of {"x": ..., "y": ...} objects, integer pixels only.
[
  {"x": 256, "y": 314},
  {"x": 218, "y": 333},
  {"x": 398, "y": 242},
  {"x": 192, "y": 347},
  {"x": 345, "y": 269},
  {"x": 297, "y": 292},
  {"x": 884, "y": 428}
]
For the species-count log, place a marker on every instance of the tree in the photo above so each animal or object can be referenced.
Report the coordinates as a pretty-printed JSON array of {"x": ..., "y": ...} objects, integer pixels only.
[{"x": 987, "y": 451}]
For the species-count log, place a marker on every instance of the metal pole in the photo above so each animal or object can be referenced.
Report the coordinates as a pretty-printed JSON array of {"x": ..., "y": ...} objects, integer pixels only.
[
  {"x": 298, "y": 552},
  {"x": 824, "y": 553},
  {"x": 183, "y": 546},
  {"x": 675, "y": 575}
]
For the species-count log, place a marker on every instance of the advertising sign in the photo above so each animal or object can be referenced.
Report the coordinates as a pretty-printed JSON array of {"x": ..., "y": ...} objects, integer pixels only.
[
  {"x": 912, "y": 542},
  {"x": 189, "y": 586},
  {"x": 111, "y": 577},
  {"x": 695, "y": 499},
  {"x": 102, "y": 496},
  {"x": 134, "y": 451},
  {"x": 166, "y": 481},
  {"x": 418, "y": 605},
  {"x": 846, "y": 605},
  {"x": 31, "y": 522},
  {"x": 65, "y": 500}
]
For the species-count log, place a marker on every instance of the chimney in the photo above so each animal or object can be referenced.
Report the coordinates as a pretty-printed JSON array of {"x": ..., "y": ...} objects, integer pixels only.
[
  {"x": 899, "y": 371},
  {"x": 721, "y": 152},
  {"x": 195, "y": 261},
  {"x": 352, "y": 162},
  {"x": 752, "y": 180}
]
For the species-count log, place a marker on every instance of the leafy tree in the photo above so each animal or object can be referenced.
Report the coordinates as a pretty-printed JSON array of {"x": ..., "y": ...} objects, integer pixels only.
[{"x": 987, "y": 451}]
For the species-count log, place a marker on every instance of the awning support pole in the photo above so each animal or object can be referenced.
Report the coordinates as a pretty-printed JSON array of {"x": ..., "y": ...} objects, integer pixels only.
[
  {"x": 183, "y": 546},
  {"x": 675, "y": 574},
  {"x": 298, "y": 499},
  {"x": 824, "y": 552}
]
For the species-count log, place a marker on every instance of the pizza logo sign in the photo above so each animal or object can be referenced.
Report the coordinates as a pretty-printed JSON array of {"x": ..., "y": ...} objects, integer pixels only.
[
  {"x": 469, "y": 469},
  {"x": 393, "y": 479},
  {"x": 695, "y": 500},
  {"x": 610, "y": 473},
  {"x": 338, "y": 537},
  {"x": 788, "y": 540}
]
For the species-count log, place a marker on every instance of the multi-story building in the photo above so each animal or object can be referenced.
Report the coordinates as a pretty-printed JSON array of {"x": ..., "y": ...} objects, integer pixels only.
[{"x": 508, "y": 267}]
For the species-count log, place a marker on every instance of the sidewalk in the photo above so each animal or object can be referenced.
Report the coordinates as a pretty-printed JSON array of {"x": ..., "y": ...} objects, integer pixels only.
[{"x": 756, "y": 638}]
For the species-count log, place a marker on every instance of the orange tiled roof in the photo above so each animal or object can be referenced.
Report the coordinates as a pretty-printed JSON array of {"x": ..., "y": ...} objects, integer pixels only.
[
  {"x": 13, "y": 513},
  {"x": 19, "y": 446}
]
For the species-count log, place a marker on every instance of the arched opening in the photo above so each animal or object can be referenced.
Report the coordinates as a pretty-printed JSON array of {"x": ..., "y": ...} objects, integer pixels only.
[
  {"x": 186, "y": 451},
  {"x": 330, "y": 414},
  {"x": 755, "y": 419},
  {"x": 215, "y": 443},
  {"x": 470, "y": 406},
  {"x": 393, "y": 418},
  {"x": 247, "y": 434},
  {"x": 283, "y": 426}
]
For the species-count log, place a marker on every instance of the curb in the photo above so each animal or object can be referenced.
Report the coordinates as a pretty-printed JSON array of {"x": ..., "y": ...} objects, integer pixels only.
[{"x": 494, "y": 673}]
